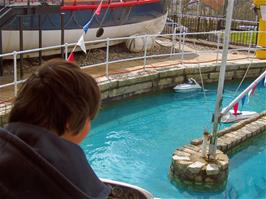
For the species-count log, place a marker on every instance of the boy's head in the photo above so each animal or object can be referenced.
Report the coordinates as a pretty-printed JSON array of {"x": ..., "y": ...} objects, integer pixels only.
[{"x": 59, "y": 96}]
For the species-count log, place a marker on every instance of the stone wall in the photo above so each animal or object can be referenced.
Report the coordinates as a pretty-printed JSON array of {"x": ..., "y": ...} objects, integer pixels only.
[
  {"x": 231, "y": 137},
  {"x": 134, "y": 83},
  {"x": 191, "y": 170}
]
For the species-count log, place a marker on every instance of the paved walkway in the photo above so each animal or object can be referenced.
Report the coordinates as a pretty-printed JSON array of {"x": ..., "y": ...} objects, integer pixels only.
[{"x": 191, "y": 57}]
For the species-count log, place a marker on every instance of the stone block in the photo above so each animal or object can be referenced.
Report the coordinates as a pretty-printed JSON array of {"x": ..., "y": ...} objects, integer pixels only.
[
  {"x": 181, "y": 153},
  {"x": 253, "y": 73},
  {"x": 229, "y": 75},
  {"x": 198, "y": 178},
  {"x": 189, "y": 151},
  {"x": 137, "y": 79},
  {"x": 182, "y": 165},
  {"x": 232, "y": 67},
  {"x": 173, "y": 72},
  {"x": 239, "y": 74},
  {"x": 103, "y": 86},
  {"x": 209, "y": 180},
  {"x": 167, "y": 82},
  {"x": 207, "y": 69},
  {"x": 184, "y": 158},
  {"x": 126, "y": 90},
  {"x": 212, "y": 169},
  {"x": 197, "y": 77},
  {"x": 191, "y": 70},
  {"x": 214, "y": 76},
  {"x": 196, "y": 142},
  {"x": 195, "y": 167},
  {"x": 104, "y": 95},
  {"x": 112, "y": 84},
  {"x": 192, "y": 147},
  {"x": 223, "y": 164},
  {"x": 179, "y": 79},
  {"x": 222, "y": 157}
]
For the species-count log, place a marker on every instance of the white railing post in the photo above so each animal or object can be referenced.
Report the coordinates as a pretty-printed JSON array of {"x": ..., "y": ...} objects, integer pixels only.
[
  {"x": 218, "y": 46},
  {"x": 15, "y": 73},
  {"x": 183, "y": 48},
  {"x": 145, "y": 51},
  {"x": 173, "y": 43},
  {"x": 107, "y": 58},
  {"x": 250, "y": 41},
  {"x": 66, "y": 51}
]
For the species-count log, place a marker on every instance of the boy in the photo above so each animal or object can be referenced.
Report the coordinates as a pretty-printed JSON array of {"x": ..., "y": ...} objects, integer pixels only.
[{"x": 40, "y": 156}]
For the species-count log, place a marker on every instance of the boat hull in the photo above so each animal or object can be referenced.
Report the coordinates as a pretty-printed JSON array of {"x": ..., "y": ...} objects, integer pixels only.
[
  {"x": 53, "y": 37},
  {"x": 242, "y": 115},
  {"x": 117, "y": 22}
]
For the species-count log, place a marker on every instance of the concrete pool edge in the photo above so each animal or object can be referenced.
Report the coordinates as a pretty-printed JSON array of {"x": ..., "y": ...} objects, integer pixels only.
[{"x": 121, "y": 86}]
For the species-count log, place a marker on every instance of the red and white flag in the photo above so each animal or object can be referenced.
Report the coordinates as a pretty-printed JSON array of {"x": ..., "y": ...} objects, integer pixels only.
[
  {"x": 98, "y": 10},
  {"x": 81, "y": 43},
  {"x": 235, "y": 109},
  {"x": 71, "y": 57}
]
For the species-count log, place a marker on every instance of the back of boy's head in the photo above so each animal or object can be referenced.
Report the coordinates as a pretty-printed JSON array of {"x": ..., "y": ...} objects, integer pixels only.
[{"x": 59, "y": 96}]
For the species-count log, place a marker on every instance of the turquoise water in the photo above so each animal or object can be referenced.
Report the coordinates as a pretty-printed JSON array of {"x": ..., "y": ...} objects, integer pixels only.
[{"x": 133, "y": 140}]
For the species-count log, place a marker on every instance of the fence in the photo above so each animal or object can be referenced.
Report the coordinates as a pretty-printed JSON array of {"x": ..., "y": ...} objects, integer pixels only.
[
  {"x": 176, "y": 47},
  {"x": 171, "y": 45},
  {"x": 206, "y": 24},
  {"x": 200, "y": 18}
]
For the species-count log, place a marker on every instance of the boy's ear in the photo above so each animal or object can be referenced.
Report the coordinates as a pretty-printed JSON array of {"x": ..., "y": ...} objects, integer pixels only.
[{"x": 77, "y": 138}]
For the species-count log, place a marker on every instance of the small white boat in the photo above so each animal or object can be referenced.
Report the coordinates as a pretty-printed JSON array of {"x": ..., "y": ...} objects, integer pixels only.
[
  {"x": 190, "y": 85},
  {"x": 241, "y": 115}
]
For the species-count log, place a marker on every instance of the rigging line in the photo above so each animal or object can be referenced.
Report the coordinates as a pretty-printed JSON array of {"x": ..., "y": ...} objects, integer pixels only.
[
  {"x": 93, "y": 15},
  {"x": 203, "y": 87},
  {"x": 105, "y": 14},
  {"x": 250, "y": 63}
]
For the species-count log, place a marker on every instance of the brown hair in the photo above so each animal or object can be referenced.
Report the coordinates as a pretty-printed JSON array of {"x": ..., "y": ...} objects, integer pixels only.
[{"x": 59, "y": 96}]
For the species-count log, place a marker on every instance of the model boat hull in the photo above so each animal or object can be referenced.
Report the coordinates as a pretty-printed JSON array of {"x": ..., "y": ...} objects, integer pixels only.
[{"x": 241, "y": 115}]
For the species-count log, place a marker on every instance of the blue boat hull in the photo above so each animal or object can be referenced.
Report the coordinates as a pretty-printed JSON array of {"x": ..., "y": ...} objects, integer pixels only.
[
  {"x": 77, "y": 19},
  {"x": 116, "y": 22}
]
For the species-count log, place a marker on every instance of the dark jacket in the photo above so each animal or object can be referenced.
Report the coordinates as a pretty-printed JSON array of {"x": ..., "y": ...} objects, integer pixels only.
[{"x": 35, "y": 163}]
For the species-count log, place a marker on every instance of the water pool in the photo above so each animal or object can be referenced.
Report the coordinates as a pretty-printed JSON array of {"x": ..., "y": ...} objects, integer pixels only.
[{"x": 133, "y": 140}]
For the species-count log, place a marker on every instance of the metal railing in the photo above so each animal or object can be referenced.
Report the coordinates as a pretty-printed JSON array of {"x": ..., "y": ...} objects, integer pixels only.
[
  {"x": 176, "y": 49},
  {"x": 192, "y": 23}
]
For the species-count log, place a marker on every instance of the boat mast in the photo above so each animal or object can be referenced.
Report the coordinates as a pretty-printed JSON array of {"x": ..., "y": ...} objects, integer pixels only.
[{"x": 217, "y": 114}]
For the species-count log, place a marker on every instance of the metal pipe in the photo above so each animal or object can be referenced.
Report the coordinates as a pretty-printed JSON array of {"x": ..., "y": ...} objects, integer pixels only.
[
  {"x": 107, "y": 58},
  {"x": 241, "y": 95},
  {"x": 218, "y": 47},
  {"x": 66, "y": 51},
  {"x": 62, "y": 33},
  {"x": 21, "y": 46},
  {"x": 183, "y": 48},
  {"x": 217, "y": 114},
  {"x": 15, "y": 73},
  {"x": 145, "y": 51},
  {"x": 40, "y": 39},
  {"x": 1, "y": 51}
]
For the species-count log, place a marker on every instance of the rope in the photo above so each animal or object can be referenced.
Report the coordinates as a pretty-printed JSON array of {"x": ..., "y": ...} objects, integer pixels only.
[
  {"x": 251, "y": 62},
  {"x": 203, "y": 87}
]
